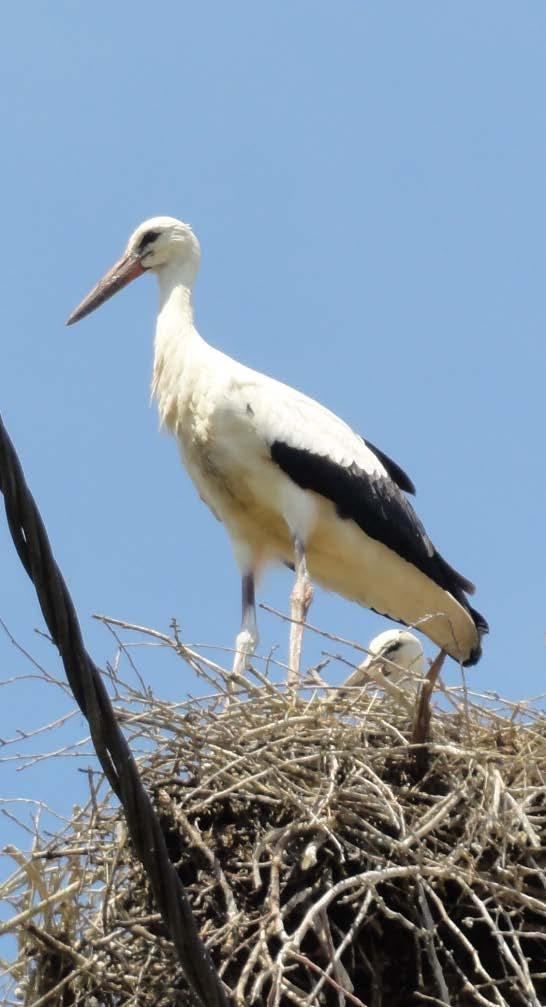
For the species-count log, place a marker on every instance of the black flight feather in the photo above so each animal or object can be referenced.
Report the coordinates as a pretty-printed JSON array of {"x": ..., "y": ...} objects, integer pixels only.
[
  {"x": 380, "y": 509},
  {"x": 396, "y": 473}
]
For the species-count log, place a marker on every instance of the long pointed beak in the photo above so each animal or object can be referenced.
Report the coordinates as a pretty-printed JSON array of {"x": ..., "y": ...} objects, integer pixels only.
[{"x": 122, "y": 272}]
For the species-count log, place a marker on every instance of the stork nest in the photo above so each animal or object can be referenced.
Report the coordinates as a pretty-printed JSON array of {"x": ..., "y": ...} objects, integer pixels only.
[{"x": 328, "y": 859}]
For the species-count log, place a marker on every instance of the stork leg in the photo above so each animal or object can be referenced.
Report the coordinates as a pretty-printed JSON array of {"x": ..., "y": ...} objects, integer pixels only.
[
  {"x": 247, "y": 639},
  {"x": 300, "y": 600}
]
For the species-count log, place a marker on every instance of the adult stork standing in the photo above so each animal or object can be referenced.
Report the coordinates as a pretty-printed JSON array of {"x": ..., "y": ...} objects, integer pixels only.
[{"x": 289, "y": 479}]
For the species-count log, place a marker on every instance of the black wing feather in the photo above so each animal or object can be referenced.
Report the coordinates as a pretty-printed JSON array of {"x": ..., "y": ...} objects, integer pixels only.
[
  {"x": 396, "y": 473},
  {"x": 377, "y": 506}
]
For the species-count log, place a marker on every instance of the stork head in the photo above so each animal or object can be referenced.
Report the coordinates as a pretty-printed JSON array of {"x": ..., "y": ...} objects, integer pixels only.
[
  {"x": 395, "y": 652},
  {"x": 155, "y": 245}
]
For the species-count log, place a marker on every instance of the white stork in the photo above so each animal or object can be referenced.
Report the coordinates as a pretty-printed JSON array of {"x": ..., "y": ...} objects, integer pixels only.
[
  {"x": 395, "y": 657},
  {"x": 289, "y": 479}
]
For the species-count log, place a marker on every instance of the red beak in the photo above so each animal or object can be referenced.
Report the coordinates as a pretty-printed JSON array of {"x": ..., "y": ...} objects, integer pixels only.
[{"x": 122, "y": 272}]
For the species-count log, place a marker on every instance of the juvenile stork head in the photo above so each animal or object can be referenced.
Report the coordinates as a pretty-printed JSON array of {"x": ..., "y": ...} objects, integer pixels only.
[
  {"x": 395, "y": 658},
  {"x": 156, "y": 245},
  {"x": 397, "y": 654}
]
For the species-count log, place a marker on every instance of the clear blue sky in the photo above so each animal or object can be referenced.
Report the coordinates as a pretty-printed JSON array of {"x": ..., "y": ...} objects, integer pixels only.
[{"x": 367, "y": 182}]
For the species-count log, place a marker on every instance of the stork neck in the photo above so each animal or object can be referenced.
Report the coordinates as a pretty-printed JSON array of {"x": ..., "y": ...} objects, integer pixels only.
[
  {"x": 176, "y": 340},
  {"x": 175, "y": 289}
]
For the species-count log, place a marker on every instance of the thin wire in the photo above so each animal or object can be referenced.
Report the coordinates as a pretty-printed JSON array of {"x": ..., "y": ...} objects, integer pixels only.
[{"x": 34, "y": 550}]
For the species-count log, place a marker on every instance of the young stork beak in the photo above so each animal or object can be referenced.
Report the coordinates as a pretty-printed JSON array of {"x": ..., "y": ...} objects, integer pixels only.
[{"x": 122, "y": 272}]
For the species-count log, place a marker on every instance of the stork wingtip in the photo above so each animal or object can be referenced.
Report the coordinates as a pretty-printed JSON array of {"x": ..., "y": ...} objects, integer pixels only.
[{"x": 482, "y": 628}]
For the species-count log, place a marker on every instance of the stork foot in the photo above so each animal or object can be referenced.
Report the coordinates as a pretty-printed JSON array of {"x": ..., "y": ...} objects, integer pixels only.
[
  {"x": 248, "y": 638},
  {"x": 245, "y": 646}
]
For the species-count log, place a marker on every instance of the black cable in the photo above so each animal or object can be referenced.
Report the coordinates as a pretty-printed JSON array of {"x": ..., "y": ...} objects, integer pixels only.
[{"x": 85, "y": 679}]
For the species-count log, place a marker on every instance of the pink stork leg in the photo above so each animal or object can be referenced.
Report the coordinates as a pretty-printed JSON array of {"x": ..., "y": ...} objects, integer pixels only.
[{"x": 300, "y": 601}]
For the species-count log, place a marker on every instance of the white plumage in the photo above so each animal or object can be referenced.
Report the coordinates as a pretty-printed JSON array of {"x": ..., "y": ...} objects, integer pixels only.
[
  {"x": 290, "y": 480},
  {"x": 396, "y": 655}
]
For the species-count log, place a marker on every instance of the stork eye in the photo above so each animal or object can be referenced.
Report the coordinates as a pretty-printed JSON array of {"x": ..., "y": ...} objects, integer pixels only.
[
  {"x": 147, "y": 239},
  {"x": 390, "y": 650}
]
